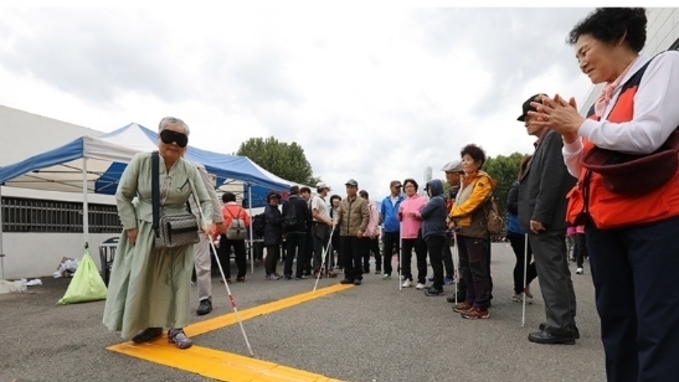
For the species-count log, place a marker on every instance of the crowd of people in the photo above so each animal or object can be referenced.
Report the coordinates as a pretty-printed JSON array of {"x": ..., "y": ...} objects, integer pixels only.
[{"x": 605, "y": 185}]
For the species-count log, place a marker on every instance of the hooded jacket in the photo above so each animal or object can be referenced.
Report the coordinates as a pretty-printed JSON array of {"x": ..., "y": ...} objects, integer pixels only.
[
  {"x": 468, "y": 210},
  {"x": 434, "y": 213}
]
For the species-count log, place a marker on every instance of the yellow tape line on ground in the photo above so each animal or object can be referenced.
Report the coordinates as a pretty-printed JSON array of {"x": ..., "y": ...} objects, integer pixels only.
[{"x": 224, "y": 366}]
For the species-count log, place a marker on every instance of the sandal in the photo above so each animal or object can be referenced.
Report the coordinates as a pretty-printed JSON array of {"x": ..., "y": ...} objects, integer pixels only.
[
  {"x": 147, "y": 335},
  {"x": 179, "y": 338}
]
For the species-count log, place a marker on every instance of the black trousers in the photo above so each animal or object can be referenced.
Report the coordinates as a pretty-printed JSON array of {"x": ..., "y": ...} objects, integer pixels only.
[
  {"x": 518, "y": 243},
  {"x": 435, "y": 248},
  {"x": 371, "y": 246},
  {"x": 296, "y": 247},
  {"x": 352, "y": 257},
  {"x": 448, "y": 257},
  {"x": 390, "y": 241},
  {"x": 273, "y": 253},
  {"x": 635, "y": 272},
  {"x": 321, "y": 237},
  {"x": 474, "y": 269},
  {"x": 225, "y": 246},
  {"x": 420, "y": 247},
  {"x": 580, "y": 249}
]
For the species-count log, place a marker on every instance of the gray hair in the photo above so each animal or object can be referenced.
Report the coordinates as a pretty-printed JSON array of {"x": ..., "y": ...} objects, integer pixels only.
[{"x": 172, "y": 120}]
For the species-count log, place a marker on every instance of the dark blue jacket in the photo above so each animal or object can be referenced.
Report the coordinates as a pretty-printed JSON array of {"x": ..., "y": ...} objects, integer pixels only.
[
  {"x": 273, "y": 230},
  {"x": 513, "y": 225},
  {"x": 434, "y": 213}
]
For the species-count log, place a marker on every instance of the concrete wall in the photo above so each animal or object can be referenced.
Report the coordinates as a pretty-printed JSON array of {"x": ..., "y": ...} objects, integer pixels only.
[{"x": 29, "y": 255}]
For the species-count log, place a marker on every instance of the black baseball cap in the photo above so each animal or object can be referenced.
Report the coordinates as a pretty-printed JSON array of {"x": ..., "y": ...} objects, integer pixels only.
[{"x": 526, "y": 107}]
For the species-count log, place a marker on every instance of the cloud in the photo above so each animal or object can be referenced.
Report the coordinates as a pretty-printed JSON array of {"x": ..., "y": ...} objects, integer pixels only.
[{"x": 375, "y": 95}]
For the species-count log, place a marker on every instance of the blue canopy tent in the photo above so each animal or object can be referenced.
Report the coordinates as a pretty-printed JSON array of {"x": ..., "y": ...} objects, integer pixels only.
[{"x": 94, "y": 165}]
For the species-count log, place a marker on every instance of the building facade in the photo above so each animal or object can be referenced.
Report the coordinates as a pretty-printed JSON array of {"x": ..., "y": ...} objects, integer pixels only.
[{"x": 662, "y": 35}]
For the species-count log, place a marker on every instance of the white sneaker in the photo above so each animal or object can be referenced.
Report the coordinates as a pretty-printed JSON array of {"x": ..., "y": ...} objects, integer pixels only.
[
  {"x": 420, "y": 286},
  {"x": 579, "y": 271},
  {"x": 407, "y": 283}
]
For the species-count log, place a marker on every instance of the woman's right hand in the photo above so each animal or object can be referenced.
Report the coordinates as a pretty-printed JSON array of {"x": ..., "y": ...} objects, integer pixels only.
[{"x": 132, "y": 235}]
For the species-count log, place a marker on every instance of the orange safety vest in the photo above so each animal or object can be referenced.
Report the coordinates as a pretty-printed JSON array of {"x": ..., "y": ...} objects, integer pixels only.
[{"x": 610, "y": 210}]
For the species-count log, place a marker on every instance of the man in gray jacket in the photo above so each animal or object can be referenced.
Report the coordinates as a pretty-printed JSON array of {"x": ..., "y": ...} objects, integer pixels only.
[
  {"x": 542, "y": 209},
  {"x": 202, "y": 248}
]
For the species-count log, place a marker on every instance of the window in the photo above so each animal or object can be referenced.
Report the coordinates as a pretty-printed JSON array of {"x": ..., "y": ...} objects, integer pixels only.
[{"x": 33, "y": 215}]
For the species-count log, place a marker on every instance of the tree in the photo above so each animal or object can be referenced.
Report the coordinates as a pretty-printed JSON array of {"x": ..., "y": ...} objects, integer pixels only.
[
  {"x": 504, "y": 170},
  {"x": 286, "y": 160}
]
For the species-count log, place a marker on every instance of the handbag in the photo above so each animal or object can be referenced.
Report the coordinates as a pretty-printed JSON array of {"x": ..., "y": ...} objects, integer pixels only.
[{"x": 171, "y": 231}]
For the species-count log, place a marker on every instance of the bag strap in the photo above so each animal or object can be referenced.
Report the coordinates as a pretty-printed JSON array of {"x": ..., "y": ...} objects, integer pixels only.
[
  {"x": 155, "y": 190},
  {"x": 194, "y": 195}
]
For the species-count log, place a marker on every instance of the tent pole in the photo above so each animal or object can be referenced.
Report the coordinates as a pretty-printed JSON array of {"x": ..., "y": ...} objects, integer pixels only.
[
  {"x": 2, "y": 250},
  {"x": 86, "y": 213},
  {"x": 252, "y": 242}
]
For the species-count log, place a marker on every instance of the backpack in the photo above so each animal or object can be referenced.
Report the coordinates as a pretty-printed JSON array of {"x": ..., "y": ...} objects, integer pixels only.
[
  {"x": 236, "y": 229},
  {"x": 494, "y": 221},
  {"x": 258, "y": 224},
  {"x": 290, "y": 219}
]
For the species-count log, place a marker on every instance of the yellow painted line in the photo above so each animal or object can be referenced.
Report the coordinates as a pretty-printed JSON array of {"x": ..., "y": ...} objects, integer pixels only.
[
  {"x": 218, "y": 365},
  {"x": 224, "y": 366},
  {"x": 203, "y": 327}
]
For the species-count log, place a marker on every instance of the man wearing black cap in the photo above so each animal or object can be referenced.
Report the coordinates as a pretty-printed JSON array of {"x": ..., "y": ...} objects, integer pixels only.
[
  {"x": 296, "y": 214},
  {"x": 352, "y": 222},
  {"x": 391, "y": 226},
  {"x": 542, "y": 208}
]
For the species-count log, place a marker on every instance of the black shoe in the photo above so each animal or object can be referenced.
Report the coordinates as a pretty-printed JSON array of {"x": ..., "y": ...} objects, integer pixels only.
[
  {"x": 378, "y": 272},
  {"x": 357, "y": 282},
  {"x": 347, "y": 281},
  {"x": 204, "y": 308},
  {"x": 451, "y": 299},
  {"x": 574, "y": 330},
  {"x": 433, "y": 292},
  {"x": 545, "y": 337}
]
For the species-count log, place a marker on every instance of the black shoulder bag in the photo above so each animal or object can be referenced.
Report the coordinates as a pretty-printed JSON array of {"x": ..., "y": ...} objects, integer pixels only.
[{"x": 171, "y": 231}]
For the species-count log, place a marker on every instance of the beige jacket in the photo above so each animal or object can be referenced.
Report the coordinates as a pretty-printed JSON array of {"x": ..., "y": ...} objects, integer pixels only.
[{"x": 353, "y": 216}]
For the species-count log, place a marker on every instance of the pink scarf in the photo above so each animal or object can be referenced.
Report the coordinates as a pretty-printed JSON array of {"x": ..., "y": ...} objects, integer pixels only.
[{"x": 607, "y": 94}]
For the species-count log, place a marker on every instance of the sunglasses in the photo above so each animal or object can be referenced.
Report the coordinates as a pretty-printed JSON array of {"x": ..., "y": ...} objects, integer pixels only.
[{"x": 169, "y": 136}]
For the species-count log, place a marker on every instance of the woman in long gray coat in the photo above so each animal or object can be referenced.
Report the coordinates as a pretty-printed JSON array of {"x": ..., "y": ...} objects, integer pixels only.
[{"x": 150, "y": 287}]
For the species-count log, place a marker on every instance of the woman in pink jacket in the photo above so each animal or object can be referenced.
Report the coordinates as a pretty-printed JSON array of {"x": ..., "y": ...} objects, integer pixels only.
[{"x": 411, "y": 235}]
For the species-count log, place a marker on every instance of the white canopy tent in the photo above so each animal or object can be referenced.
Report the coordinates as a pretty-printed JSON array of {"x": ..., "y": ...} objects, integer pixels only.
[{"x": 94, "y": 165}]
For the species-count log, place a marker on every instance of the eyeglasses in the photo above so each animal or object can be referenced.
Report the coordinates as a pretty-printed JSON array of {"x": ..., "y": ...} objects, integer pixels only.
[{"x": 169, "y": 136}]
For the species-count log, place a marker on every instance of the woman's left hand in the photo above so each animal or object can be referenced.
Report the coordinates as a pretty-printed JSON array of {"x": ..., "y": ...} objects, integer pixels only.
[
  {"x": 207, "y": 229},
  {"x": 558, "y": 115}
]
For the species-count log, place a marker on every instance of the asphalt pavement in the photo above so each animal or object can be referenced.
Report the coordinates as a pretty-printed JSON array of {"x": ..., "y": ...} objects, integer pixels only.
[{"x": 369, "y": 333}]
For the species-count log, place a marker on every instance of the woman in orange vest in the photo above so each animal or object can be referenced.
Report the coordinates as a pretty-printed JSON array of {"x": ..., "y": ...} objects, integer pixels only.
[{"x": 625, "y": 158}]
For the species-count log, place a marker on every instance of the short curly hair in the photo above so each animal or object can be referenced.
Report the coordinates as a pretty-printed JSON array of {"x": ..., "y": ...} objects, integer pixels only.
[
  {"x": 474, "y": 151},
  {"x": 609, "y": 25}
]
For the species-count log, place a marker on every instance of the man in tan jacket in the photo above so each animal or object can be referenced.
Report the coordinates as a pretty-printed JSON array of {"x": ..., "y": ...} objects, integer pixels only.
[{"x": 352, "y": 221}]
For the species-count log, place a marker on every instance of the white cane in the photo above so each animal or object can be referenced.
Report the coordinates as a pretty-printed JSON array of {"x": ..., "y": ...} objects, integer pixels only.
[
  {"x": 525, "y": 278},
  {"x": 226, "y": 284},
  {"x": 324, "y": 255}
]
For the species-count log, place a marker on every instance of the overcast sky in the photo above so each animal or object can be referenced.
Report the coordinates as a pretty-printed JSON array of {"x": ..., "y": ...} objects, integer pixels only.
[{"x": 371, "y": 93}]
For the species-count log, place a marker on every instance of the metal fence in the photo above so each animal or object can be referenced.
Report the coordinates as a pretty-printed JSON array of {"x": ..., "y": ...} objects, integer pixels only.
[{"x": 36, "y": 215}]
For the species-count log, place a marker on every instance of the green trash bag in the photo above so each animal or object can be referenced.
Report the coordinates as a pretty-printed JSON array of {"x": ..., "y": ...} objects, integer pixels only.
[{"x": 86, "y": 285}]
